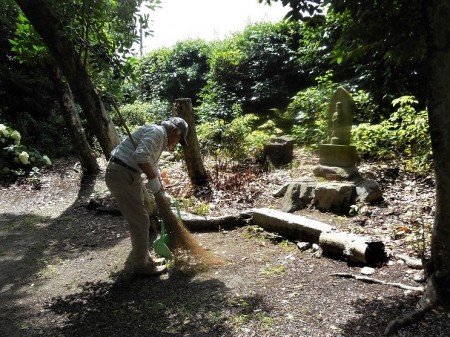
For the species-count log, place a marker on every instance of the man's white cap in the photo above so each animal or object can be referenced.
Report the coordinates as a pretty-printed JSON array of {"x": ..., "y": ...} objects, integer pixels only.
[{"x": 181, "y": 124}]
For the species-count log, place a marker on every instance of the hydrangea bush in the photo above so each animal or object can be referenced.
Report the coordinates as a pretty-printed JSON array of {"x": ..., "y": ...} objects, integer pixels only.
[{"x": 16, "y": 159}]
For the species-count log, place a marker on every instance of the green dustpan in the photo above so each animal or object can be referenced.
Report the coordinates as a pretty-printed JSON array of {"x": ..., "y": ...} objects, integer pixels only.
[{"x": 160, "y": 245}]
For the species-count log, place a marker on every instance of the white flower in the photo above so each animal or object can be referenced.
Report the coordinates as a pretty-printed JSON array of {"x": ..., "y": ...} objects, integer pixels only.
[
  {"x": 15, "y": 135},
  {"x": 2, "y": 128},
  {"x": 23, "y": 157},
  {"x": 47, "y": 160},
  {"x": 4, "y": 131}
]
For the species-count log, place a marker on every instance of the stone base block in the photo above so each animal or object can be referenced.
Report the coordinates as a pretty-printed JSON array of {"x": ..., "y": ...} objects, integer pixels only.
[{"x": 337, "y": 155}]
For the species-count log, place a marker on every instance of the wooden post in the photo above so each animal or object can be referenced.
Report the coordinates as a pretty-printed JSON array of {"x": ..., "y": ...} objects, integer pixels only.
[{"x": 197, "y": 173}]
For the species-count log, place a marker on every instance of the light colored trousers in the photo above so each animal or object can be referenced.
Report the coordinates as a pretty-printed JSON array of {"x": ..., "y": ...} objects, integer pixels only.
[{"x": 127, "y": 188}]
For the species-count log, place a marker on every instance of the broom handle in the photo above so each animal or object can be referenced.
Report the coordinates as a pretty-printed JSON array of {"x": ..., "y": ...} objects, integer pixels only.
[{"x": 122, "y": 121}]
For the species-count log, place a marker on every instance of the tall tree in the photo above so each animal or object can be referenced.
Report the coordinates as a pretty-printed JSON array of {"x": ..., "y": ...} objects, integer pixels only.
[
  {"x": 81, "y": 146},
  {"x": 438, "y": 101},
  {"x": 44, "y": 20}
]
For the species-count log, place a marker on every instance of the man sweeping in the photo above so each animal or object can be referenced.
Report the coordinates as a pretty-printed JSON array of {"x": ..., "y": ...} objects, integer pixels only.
[{"x": 128, "y": 161}]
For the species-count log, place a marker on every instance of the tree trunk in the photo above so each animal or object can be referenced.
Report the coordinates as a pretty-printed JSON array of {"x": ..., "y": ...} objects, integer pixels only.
[
  {"x": 438, "y": 47},
  {"x": 43, "y": 19},
  {"x": 439, "y": 119},
  {"x": 197, "y": 173},
  {"x": 81, "y": 146}
]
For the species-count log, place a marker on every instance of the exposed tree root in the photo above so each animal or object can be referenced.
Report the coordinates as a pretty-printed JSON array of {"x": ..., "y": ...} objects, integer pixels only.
[
  {"x": 373, "y": 280},
  {"x": 429, "y": 300},
  {"x": 416, "y": 315}
]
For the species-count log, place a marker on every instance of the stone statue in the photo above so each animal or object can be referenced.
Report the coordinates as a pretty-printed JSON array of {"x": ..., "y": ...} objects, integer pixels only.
[
  {"x": 340, "y": 117},
  {"x": 338, "y": 132}
]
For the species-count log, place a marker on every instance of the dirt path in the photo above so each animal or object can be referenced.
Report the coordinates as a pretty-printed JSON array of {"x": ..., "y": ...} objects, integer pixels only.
[{"x": 64, "y": 272}]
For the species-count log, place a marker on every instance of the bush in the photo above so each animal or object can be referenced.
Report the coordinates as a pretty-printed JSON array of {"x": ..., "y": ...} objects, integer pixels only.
[
  {"x": 238, "y": 140},
  {"x": 256, "y": 69},
  {"x": 308, "y": 112},
  {"x": 140, "y": 113},
  {"x": 171, "y": 73},
  {"x": 404, "y": 135},
  {"x": 16, "y": 159}
]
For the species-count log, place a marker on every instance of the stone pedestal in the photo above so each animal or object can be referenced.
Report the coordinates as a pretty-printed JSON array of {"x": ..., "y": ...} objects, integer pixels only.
[
  {"x": 337, "y": 155},
  {"x": 280, "y": 151}
]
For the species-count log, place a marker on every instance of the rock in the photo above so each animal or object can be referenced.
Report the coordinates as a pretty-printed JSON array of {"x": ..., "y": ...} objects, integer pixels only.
[
  {"x": 336, "y": 172},
  {"x": 298, "y": 194},
  {"x": 368, "y": 191},
  {"x": 303, "y": 246},
  {"x": 334, "y": 196},
  {"x": 367, "y": 271}
]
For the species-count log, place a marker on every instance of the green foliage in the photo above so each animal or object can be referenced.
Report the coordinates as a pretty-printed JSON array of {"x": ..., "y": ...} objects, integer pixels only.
[
  {"x": 140, "y": 113},
  {"x": 193, "y": 206},
  {"x": 171, "y": 73},
  {"x": 404, "y": 135},
  {"x": 26, "y": 43},
  {"x": 308, "y": 112},
  {"x": 388, "y": 59},
  {"x": 220, "y": 139},
  {"x": 255, "y": 69},
  {"x": 16, "y": 159}
]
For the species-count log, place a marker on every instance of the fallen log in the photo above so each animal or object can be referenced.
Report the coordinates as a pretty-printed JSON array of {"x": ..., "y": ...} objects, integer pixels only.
[
  {"x": 208, "y": 223},
  {"x": 353, "y": 248},
  {"x": 191, "y": 221}
]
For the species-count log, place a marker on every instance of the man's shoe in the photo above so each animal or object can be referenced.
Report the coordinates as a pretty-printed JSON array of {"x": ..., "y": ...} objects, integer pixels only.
[
  {"x": 150, "y": 270},
  {"x": 158, "y": 260}
]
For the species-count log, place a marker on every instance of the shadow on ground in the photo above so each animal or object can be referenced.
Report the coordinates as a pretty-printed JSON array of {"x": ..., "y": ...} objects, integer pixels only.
[
  {"x": 375, "y": 315},
  {"x": 175, "y": 306}
]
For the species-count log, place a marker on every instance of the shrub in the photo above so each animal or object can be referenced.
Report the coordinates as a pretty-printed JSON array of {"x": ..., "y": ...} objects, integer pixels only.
[
  {"x": 256, "y": 69},
  {"x": 16, "y": 159},
  {"x": 308, "y": 112},
  {"x": 140, "y": 113},
  {"x": 239, "y": 140},
  {"x": 403, "y": 135},
  {"x": 171, "y": 73}
]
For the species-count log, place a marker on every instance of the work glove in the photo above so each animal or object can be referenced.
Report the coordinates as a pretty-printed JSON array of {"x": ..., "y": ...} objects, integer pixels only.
[
  {"x": 154, "y": 185},
  {"x": 167, "y": 197}
]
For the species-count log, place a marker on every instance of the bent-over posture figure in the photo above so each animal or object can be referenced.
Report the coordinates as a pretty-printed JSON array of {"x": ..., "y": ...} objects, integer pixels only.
[{"x": 124, "y": 180}]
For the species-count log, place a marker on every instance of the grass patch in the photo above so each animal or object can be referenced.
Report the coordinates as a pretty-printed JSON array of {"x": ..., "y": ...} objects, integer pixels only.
[
  {"x": 274, "y": 270},
  {"x": 48, "y": 267},
  {"x": 25, "y": 222}
]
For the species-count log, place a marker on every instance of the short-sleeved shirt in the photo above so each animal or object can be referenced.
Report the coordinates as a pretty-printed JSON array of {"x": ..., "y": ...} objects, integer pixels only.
[{"x": 151, "y": 140}]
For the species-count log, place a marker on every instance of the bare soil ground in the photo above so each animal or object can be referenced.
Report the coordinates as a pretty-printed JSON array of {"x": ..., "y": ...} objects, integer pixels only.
[{"x": 64, "y": 269}]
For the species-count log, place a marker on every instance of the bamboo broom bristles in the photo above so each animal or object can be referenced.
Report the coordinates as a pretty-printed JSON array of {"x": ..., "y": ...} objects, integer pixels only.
[{"x": 182, "y": 243}]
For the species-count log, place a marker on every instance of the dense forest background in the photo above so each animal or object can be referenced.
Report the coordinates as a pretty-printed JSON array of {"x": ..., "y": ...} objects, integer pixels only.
[{"x": 271, "y": 79}]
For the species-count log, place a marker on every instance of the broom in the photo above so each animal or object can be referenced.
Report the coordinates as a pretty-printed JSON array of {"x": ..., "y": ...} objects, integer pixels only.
[{"x": 185, "y": 248}]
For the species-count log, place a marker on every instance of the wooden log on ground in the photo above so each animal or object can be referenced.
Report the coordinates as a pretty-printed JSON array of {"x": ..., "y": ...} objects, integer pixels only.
[
  {"x": 208, "y": 223},
  {"x": 353, "y": 247},
  {"x": 191, "y": 221}
]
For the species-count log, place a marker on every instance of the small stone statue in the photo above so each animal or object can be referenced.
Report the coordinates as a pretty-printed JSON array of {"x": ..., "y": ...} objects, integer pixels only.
[
  {"x": 340, "y": 117},
  {"x": 337, "y": 132}
]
